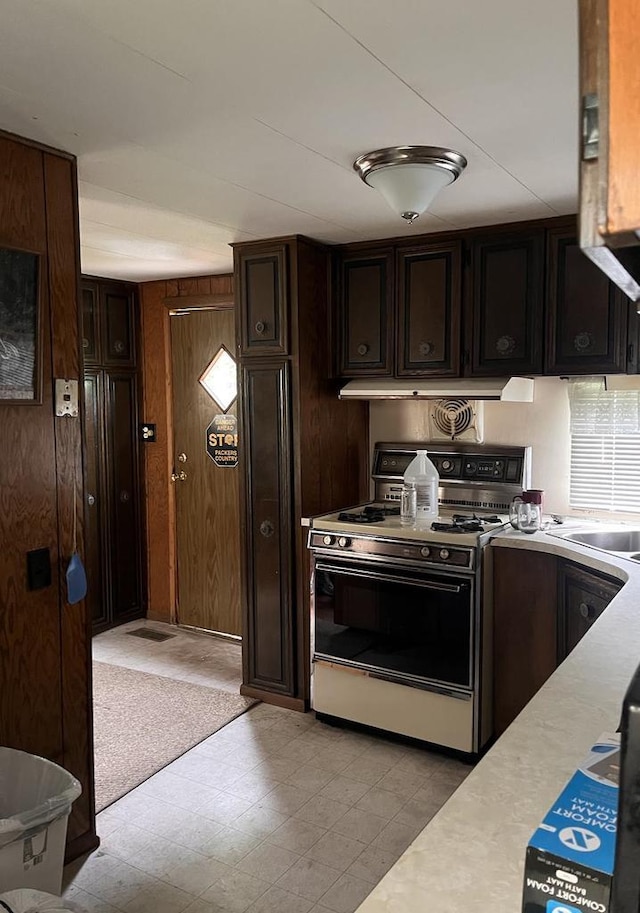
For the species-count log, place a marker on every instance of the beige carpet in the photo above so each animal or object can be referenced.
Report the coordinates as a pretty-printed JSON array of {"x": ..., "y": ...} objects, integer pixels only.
[{"x": 143, "y": 721}]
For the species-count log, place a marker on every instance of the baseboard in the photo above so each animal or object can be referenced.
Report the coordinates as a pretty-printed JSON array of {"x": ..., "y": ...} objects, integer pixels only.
[
  {"x": 270, "y": 697},
  {"x": 85, "y": 843}
]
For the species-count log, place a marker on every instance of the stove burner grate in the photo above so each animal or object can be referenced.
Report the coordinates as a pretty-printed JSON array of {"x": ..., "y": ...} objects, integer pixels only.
[
  {"x": 369, "y": 514},
  {"x": 464, "y": 524}
]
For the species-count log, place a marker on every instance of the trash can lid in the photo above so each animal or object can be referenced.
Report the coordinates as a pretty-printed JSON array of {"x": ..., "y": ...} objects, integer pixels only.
[{"x": 26, "y": 900}]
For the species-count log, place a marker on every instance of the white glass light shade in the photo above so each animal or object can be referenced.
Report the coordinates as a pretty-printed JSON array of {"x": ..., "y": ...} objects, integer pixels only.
[{"x": 409, "y": 189}]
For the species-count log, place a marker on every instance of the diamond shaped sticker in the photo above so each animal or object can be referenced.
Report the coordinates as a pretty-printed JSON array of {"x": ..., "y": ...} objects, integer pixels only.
[{"x": 220, "y": 379}]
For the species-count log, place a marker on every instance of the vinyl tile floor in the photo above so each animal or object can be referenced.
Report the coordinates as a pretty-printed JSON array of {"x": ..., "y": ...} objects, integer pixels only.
[{"x": 275, "y": 813}]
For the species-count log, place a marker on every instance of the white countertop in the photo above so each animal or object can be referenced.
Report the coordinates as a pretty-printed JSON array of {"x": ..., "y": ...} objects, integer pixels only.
[{"x": 470, "y": 857}]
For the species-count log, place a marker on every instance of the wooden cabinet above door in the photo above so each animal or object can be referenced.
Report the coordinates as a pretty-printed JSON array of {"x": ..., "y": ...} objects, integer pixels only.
[{"x": 429, "y": 305}]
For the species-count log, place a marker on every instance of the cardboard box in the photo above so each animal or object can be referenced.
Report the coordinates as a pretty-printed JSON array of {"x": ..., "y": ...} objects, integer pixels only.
[{"x": 569, "y": 861}]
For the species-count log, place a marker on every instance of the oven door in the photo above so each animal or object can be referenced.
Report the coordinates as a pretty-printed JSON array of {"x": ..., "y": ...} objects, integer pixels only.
[{"x": 410, "y": 626}]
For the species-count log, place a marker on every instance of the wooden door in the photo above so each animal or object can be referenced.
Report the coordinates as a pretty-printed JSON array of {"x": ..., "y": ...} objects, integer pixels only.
[
  {"x": 95, "y": 501},
  {"x": 504, "y": 329},
  {"x": 429, "y": 304},
  {"x": 269, "y": 662},
  {"x": 365, "y": 314},
  {"x": 121, "y": 470},
  {"x": 586, "y": 313},
  {"x": 207, "y": 506}
]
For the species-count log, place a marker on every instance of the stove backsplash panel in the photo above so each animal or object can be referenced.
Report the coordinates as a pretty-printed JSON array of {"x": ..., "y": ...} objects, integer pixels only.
[{"x": 543, "y": 424}]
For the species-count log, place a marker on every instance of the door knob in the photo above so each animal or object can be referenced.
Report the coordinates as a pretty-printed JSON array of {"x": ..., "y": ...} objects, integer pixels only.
[{"x": 178, "y": 476}]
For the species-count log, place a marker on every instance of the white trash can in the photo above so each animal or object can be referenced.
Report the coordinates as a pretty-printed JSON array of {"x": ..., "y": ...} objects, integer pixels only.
[
  {"x": 36, "y": 796},
  {"x": 24, "y": 900}
]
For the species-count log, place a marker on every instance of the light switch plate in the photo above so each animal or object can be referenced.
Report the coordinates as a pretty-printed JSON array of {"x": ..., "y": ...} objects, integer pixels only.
[{"x": 66, "y": 397}]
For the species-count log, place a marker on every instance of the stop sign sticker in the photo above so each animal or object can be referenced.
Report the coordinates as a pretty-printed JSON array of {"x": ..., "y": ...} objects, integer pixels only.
[{"x": 222, "y": 441}]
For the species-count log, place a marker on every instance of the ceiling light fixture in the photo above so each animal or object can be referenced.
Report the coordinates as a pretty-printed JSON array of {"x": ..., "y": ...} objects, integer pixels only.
[{"x": 410, "y": 177}]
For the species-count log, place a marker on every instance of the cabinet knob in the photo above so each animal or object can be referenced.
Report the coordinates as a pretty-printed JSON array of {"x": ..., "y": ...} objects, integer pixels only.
[
  {"x": 586, "y": 610},
  {"x": 260, "y": 327},
  {"x": 583, "y": 341},
  {"x": 267, "y": 529},
  {"x": 505, "y": 345},
  {"x": 362, "y": 349},
  {"x": 91, "y": 500},
  {"x": 426, "y": 348},
  {"x": 85, "y": 342},
  {"x": 124, "y": 496},
  {"x": 118, "y": 347}
]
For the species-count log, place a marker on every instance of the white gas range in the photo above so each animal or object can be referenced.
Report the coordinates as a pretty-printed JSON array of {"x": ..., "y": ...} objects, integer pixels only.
[{"x": 400, "y": 641}]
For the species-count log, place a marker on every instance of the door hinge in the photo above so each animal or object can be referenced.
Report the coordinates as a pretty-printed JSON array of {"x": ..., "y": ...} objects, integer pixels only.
[
  {"x": 590, "y": 126},
  {"x": 630, "y": 351}
]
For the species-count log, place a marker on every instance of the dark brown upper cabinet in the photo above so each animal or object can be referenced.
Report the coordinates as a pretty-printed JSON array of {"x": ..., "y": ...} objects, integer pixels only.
[
  {"x": 586, "y": 313},
  {"x": 365, "y": 314},
  {"x": 504, "y": 324},
  {"x": 108, "y": 323},
  {"x": 429, "y": 307},
  {"x": 261, "y": 275}
]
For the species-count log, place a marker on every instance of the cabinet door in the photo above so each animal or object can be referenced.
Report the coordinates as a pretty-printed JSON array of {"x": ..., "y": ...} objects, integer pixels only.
[
  {"x": 365, "y": 322},
  {"x": 268, "y": 579},
  {"x": 586, "y": 313},
  {"x": 505, "y": 320},
  {"x": 525, "y": 629},
  {"x": 117, "y": 305},
  {"x": 90, "y": 323},
  {"x": 429, "y": 287},
  {"x": 95, "y": 513},
  {"x": 262, "y": 280},
  {"x": 583, "y": 598},
  {"x": 122, "y": 469}
]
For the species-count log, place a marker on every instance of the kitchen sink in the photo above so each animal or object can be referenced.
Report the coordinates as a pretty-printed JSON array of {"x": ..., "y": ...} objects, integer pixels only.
[{"x": 627, "y": 540}]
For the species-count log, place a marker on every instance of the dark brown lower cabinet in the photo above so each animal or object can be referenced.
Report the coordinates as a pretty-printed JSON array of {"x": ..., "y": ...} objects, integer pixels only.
[
  {"x": 524, "y": 629},
  {"x": 269, "y": 654},
  {"x": 112, "y": 498},
  {"x": 542, "y": 607},
  {"x": 584, "y": 596}
]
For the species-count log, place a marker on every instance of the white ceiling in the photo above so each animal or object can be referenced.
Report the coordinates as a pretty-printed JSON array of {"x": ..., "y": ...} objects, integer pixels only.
[{"x": 201, "y": 122}]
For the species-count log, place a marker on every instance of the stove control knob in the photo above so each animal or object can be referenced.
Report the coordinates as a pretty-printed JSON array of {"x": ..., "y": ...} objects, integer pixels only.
[
  {"x": 444, "y": 553},
  {"x": 327, "y": 540},
  {"x": 447, "y": 465},
  {"x": 425, "y": 551},
  {"x": 343, "y": 542}
]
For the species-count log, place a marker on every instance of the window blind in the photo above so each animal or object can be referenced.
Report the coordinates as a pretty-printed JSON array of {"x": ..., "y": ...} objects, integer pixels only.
[{"x": 605, "y": 447}]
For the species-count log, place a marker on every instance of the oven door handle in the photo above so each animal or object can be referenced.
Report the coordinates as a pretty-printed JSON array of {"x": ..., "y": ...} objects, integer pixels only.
[{"x": 390, "y": 578}]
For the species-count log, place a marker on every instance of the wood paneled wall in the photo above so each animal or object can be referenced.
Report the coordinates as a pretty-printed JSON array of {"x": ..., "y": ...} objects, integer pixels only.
[
  {"x": 45, "y": 658},
  {"x": 158, "y": 457}
]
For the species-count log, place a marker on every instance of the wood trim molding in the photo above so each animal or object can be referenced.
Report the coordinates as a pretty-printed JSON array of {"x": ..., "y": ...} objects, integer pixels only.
[
  {"x": 196, "y": 302},
  {"x": 270, "y": 697}
]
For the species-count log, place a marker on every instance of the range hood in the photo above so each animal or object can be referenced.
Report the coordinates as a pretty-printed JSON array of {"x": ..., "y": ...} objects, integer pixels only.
[{"x": 503, "y": 389}]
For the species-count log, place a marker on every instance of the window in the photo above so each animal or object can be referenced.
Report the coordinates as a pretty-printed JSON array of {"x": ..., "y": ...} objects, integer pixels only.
[{"x": 605, "y": 447}]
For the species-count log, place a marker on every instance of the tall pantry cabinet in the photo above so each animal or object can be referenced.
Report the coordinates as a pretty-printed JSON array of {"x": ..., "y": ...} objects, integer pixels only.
[
  {"x": 112, "y": 496},
  {"x": 303, "y": 452}
]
